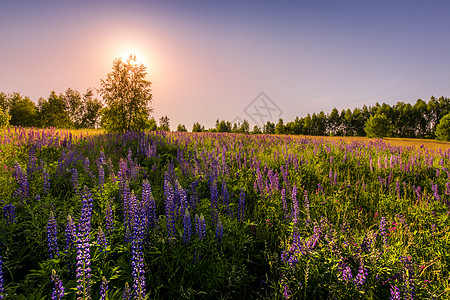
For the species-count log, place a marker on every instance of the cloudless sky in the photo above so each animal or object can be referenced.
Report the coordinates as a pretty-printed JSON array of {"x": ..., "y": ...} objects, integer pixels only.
[{"x": 209, "y": 60}]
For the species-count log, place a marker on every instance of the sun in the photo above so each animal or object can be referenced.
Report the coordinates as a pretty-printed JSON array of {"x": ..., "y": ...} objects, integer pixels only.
[{"x": 139, "y": 57}]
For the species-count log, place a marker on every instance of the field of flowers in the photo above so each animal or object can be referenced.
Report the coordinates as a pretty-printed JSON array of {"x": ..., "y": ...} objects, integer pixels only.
[{"x": 220, "y": 216}]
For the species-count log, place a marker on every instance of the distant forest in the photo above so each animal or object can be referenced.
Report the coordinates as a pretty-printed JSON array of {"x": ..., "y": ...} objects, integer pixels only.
[{"x": 73, "y": 109}]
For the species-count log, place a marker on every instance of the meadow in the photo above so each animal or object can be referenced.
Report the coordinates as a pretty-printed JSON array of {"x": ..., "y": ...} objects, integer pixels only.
[{"x": 160, "y": 215}]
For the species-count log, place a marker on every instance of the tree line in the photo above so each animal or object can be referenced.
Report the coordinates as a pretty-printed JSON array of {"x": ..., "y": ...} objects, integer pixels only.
[
  {"x": 381, "y": 120},
  {"x": 126, "y": 98}
]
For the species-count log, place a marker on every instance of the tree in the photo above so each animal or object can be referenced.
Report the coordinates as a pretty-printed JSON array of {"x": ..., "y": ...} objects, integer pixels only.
[
  {"x": 280, "y": 128},
  {"x": 52, "y": 112},
  {"x": 376, "y": 126},
  {"x": 181, "y": 128},
  {"x": 4, "y": 118},
  {"x": 197, "y": 127},
  {"x": 256, "y": 130},
  {"x": 443, "y": 129},
  {"x": 164, "y": 124},
  {"x": 127, "y": 95},
  {"x": 223, "y": 126},
  {"x": 152, "y": 126},
  {"x": 22, "y": 110},
  {"x": 269, "y": 128},
  {"x": 245, "y": 127}
]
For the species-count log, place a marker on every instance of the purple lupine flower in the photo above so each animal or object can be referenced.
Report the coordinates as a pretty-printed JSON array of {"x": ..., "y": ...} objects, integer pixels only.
[
  {"x": 241, "y": 208},
  {"x": 397, "y": 188},
  {"x": 137, "y": 255},
  {"x": 83, "y": 244},
  {"x": 46, "y": 180},
  {"x": 187, "y": 227},
  {"x": 447, "y": 188},
  {"x": 219, "y": 231},
  {"x": 21, "y": 178},
  {"x": 395, "y": 293},
  {"x": 52, "y": 238},
  {"x": 308, "y": 219},
  {"x": 383, "y": 231},
  {"x": 286, "y": 292},
  {"x": 438, "y": 173},
  {"x": 347, "y": 273},
  {"x": 169, "y": 206},
  {"x": 31, "y": 165},
  {"x": 70, "y": 233},
  {"x": 361, "y": 277},
  {"x": 409, "y": 284},
  {"x": 200, "y": 226},
  {"x": 109, "y": 218},
  {"x": 86, "y": 165},
  {"x": 74, "y": 179},
  {"x": 101, "y": 239},
  {"x": 103, "y": 288},
  {"x": 101, "y": 177},
  {"x": 295, "y": 209},
  {"x": 2, "y": 281},
  {"x": 283, "y": 200},
  {"x": 435, "y": 189},
  {"x": 58, "y": 289},
  {"x": 9, "y": 212},
  {"x": 226, "y": 197},
  {"x": 335, "y": 178},
  {"x": 127, "y": 292},
  {"x": 214, "y": 200}
]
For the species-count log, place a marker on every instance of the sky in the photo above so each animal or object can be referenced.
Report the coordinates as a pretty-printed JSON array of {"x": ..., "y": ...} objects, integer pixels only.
[{"x": 233, "y": 60}]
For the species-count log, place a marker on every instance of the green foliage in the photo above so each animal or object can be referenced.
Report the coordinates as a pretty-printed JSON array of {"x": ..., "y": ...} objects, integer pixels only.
[
  {"x": 181, "y": 128},
  {"x": 269, "y": 128},
  {"x": 22, "y": 110},
  {"x": 4, "y": 118},
  {"x": 52, "y": 112},
  {"x": 127, "y": 95},
  {"x": 197, "y": 127},
  {"x": 376, "y": 126},
  {"x": 164, "y": 123},
  {"x": 443, "y": 129}
]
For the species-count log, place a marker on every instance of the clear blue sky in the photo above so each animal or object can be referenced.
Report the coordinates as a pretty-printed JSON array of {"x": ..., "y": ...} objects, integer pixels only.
[{"x": 208, "y": 60}]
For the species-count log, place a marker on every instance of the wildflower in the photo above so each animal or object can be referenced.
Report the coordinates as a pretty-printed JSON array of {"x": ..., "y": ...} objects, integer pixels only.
[
  {"x": 51, "y": 237},
  {"x": 295, "y": 209},
  {"x": 200, "y": 227},
  {"x": 109, "y": 218},
  {"x": 283, "y": 199},
  {"x": 395, "y": 293},
  {"x": 383, "y": 230},
  {"x": 286, "y": 291},
  {"x": 241, "y": 208},
  {"x": 2, "y": 281},
  {"x": 21, "y": 178},
  {"x": 187, "y": 227},
  {"x": 58, "y": 290},
  {"x": 101, "y": 239},
  {"x": 70, "y": 233},
  {"x": 137, "y": 255},
  {"x": 103, "y": 288},
  {"x": 101, "y": 177},
  {"x": 74, "y": 179},
  {"x": 361, "y": 277},
  {"x": 219, "y": 231},
  {"x": 83, "y": 251},
  {"x": 126, "y": 292},
  {"x": 46, "y": 180},
  {"x": 9, "y": 212}
]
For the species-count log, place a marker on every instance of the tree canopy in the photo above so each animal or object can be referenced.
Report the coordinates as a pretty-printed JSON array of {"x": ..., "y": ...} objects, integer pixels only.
[
  {"x": 443, "y": 129},
  {"x": 127, "y": 94}
]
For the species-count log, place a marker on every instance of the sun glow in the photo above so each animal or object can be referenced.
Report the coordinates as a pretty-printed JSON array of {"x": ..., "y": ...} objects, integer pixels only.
[{"x": 139, "y": 57}]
